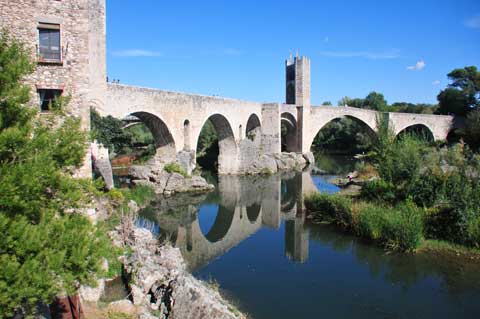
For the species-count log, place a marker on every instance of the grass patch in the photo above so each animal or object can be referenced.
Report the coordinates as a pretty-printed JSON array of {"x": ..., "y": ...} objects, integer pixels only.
[
  {"x": 335, "y": 208},
  {"x": 450, "y": 248},
  {"x": 175, "y": 168},
  {"x": 140, "y": 194},
  {"x": 397, "y": 227}
]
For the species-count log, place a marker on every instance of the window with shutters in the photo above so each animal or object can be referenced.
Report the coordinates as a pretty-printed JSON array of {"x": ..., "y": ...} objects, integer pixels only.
[{"x": 49, "y": 48}]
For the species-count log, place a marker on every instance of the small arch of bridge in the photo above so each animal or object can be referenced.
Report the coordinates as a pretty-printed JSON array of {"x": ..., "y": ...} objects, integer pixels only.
[
  {"x": 317, "y": 128},
  {"x": 227, "y": 157},
  {"x": 164, "y": 141},
  {"x": 417, "y": 129}
]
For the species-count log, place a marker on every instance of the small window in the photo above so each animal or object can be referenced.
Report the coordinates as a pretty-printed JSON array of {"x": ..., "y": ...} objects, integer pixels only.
[
  {"x": 49, "y": 49},
  {"x": 47, "y": 96}
]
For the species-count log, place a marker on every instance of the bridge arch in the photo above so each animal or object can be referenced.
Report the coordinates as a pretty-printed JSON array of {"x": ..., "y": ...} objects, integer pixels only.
[
  {"x": 221, "y": 225},
  {"x": 164, "y": 142},
  {"x": 316, "y": 130},
  {"x": 253, "y": 211},
  {"x": 289, "y": 132},
  {"x": 420, "y": 129},
  {"x": 254, "y": 129},
  {"x": 227, "y": 157}
]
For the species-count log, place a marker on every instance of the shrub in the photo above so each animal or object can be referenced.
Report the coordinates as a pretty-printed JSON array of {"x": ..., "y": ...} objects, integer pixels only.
[
  {"x": 335, "y": 207},
  {"x": 378, "y": 190},
  {"x": 370, "y": 220},
  {"x": 175, "y": 168},
  {"x": 399, "y": 227},
  {"x": 403, "y": 229},
  {"x": 473, "y": 230}
]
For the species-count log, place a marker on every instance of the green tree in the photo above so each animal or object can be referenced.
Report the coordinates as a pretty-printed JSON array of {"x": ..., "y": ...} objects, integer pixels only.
[
  {"x": 344, "y": 101},
  {"x": 375, "y": 101},
  {"x": 472, "y": 129},
  {"x": 46, "y": 247},
  {"x": 463, "y": 94},
  {"x": 327, "y": 103},
  {"x": 109, "y": 131},
  {"x": 356, "y": 103}
]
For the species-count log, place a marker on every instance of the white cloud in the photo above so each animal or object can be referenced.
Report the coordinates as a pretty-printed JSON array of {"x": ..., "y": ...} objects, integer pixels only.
[
  {"x": 420, "y": 65},
  {"x": 436, "y": 82},
  {"x": 137, "y": 53},
  {"x": 392, "y": 54},
  {"x": 473, "y": 22}
]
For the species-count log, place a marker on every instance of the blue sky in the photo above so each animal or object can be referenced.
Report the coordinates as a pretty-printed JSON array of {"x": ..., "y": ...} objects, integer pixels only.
[{"x": 401, "y": 48}]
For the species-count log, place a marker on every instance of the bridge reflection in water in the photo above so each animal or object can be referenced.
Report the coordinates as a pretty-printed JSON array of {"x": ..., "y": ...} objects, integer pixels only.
[{"x": 206, "y": 227}]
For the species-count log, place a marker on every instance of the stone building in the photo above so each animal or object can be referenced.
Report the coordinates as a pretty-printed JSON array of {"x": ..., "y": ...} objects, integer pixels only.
[{"x": 67, "y": 40}]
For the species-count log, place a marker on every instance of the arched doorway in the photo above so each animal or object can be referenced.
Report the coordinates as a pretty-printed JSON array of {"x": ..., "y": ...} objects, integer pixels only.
[
  {"x": 254, "y": 129},
  {"x": 289, "y": 133}
]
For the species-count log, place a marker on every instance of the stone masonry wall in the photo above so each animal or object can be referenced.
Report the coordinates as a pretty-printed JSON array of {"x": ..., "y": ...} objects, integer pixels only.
[{"x": 82, "y": 37}]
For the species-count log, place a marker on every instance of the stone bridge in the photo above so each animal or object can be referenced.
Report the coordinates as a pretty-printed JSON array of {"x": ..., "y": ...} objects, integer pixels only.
[{"x": 247, "y": 130}]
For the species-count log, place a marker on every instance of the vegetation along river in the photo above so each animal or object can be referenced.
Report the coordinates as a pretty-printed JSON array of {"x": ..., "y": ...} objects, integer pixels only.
[{"x": 251, "y": 238}]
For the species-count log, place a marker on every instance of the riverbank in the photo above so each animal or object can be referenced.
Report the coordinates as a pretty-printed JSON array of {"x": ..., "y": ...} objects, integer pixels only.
[
  {"x": 155, "y": 276},
  {"x": 400, "y": 227}
]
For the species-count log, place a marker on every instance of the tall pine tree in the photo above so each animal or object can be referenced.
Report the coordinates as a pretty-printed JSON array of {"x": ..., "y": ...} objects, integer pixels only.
[{"x": 46, "y": 246}]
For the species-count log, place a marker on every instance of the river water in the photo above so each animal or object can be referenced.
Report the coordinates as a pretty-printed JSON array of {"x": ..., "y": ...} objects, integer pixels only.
[{"x": 252, "y": 238}]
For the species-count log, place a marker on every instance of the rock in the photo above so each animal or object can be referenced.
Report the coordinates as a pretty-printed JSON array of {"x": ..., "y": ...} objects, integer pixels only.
[
  {"x": 285, "y": 164},
  {"x": 147, "y": 315},
  {"x": 167, "y": 184},
  {"x": 266, "y": 163},
  {"x": 318, "y": 171},
  {"x": 122, "y": 306},
  {"x": 309, "y": 157},
  {"x": 159, "y": 281},
  {"x": 139, "y": 172},
  {"x": 175, "y": 182},
  {"x": 92, "y": 294},
  {"x": 101, "y": 163},
  {"x": 133, "y": 207}
]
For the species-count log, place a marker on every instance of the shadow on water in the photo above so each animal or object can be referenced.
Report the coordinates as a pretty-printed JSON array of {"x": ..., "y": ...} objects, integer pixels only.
[{"x": 251, "y": 236}]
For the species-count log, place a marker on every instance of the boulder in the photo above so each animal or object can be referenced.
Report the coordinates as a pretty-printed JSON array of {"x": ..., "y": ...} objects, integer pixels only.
[
  {"x": 159, "y": 281},
  {"x": 122, "y": 306},
  {"x": 92, "y": 294},
  {"x": 263, "y": 164},
  {"x": 140, "y": 172},
  {"x": 309, "y": 157},
  {"x": 167, "y": 184}
]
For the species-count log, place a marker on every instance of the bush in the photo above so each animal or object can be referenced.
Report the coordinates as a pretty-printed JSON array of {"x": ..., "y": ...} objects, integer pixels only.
[
  {"x": 399, "y": 227},
  {"x": 473, "y": 230},
  {"x": 175, "y": 168},
  {"x": 403, "y": 229},
  {"x": 335, "y": 207},
  {"x": 370, "y": 221},
  {"x": 378, "y": 190}
]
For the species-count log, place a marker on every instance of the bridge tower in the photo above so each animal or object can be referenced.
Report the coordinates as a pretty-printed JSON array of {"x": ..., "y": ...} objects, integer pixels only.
[{"x": 297, "y": 91}]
